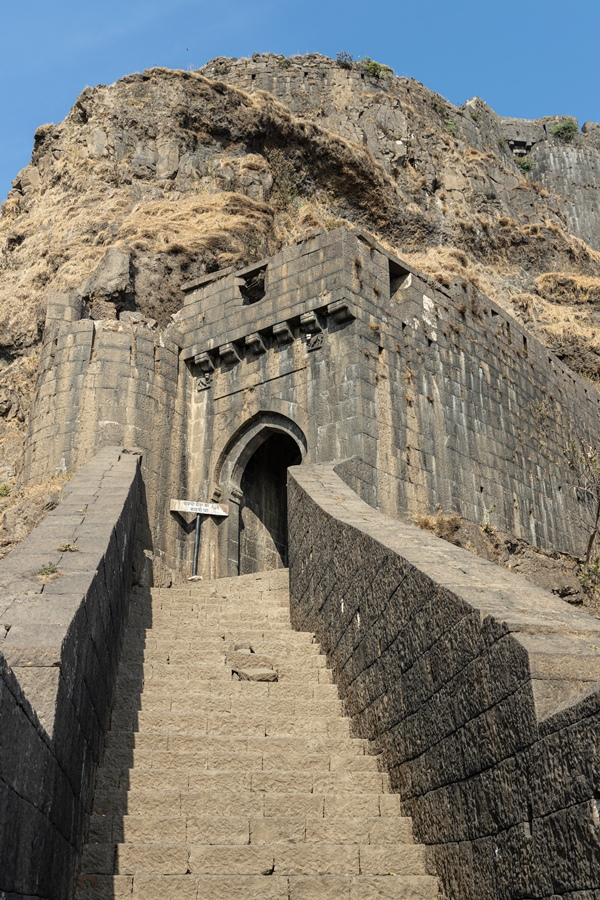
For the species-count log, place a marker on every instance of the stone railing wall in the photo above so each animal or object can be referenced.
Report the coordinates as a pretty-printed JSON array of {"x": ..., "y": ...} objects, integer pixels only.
[
  {"x": 481, "y": 691},
  {"x": 60, "y": 637}
]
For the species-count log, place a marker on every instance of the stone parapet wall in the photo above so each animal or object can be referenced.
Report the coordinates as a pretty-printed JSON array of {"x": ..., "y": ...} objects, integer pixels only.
[
  {"x": 481, "y": 691},
  {"x": 60, "y": 638}
]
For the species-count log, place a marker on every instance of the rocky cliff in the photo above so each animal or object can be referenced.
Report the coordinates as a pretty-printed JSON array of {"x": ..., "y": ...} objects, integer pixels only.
[{"x": 167, "y": 175}]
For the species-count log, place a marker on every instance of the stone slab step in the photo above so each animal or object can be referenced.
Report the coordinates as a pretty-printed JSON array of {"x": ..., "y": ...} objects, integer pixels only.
[
  {"x": 124, "y": 759},
  {"x": 169, "y": 655},
  {"x": 255, "y": 887},
  {"x": 248, "y": 705},
  {"x": 127, "y": 740},
  {"x": 253, "y": 859},
  {"x": 137, "y": 643},
  {"x": 290, "y": 781},
  {"x": 183, "y": 602},
  {"x": 194, "y": 678},
  {"x": 305, "y": 690},
  {"x": 198, "y": 638},
  {"x": 215, "y": 617},
  {"x": 243, "y": 830},
  {"x": 246, "y": 803},
  {"x": 152, "y": 721},
  {"x": 197, "y": 666}
]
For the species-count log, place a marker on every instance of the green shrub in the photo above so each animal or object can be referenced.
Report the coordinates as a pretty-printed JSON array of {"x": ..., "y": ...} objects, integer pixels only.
[
  {"x": 221, "y": 69},
  {"x": 565, "y": 129},
  {"x": 525, "y": 163},
  {"x": 5, "y": 489},
  {"x": 375, "y": 69},
  {"x": 450, "y": 126}
]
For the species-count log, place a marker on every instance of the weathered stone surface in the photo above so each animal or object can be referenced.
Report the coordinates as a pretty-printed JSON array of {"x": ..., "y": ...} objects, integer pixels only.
[
  {"x": 257, "y": 674},
  {"x": 481, "y": 692},
  {"x": 249, "y": 815},
  {"x": 56, "y": 679}
]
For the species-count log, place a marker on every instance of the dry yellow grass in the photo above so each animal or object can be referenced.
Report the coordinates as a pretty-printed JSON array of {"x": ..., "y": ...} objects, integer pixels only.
[
  {"x": 561, "y": 287},
  {"x": 223, "y": 223},
  {"x": 443, "y": 525}
]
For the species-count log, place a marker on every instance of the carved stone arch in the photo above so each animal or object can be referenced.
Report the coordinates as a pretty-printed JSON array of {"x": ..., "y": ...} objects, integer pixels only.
[{"x": 231, "y": 465}]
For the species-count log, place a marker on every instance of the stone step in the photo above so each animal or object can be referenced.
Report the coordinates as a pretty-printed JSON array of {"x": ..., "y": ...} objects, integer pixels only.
[
  {"x": 256, "y": 887},
  {"x": 166, "y": 722},
  {"x": 215, "y": 617},
  {"x": 127, "y": 740},
  {"x": 199, "y": 759},
  {"x": 267, "y": 600},
  {"x": 253, "y": 859},
  {"x": 186, "y": 656},
  {"x": 242, "y": 830},
  {"x": 277, "y": 780},
  {"x": 292, "y": 640},
  {"x": 251, "y": 705},
  {"x": 242, "y": 803},
  {"x": 133, "y": 686},
  {"x": 138, "y": 642},
  {"x": 216, "y": 662},
  {"x": 182, "y": 678}
]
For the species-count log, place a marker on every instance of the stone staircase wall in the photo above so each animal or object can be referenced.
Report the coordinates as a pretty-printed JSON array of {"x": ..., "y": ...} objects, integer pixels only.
[
  {"x": 60, "y": 639},
  {"x": 481, "y": 692}
]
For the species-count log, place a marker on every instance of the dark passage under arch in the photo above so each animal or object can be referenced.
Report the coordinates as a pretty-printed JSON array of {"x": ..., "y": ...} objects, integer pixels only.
[{"x": 263, "y": 509}]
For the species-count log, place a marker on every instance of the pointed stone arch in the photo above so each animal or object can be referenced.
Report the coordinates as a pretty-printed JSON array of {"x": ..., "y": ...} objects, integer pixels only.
[{"x": 250, "y": 477}]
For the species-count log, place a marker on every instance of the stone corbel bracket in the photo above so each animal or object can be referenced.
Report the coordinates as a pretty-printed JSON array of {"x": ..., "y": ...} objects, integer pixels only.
[
  {"x": 255, "y": 343},
  {"x": 229, "y": 353},
  {"x": 283, "y": 333}
]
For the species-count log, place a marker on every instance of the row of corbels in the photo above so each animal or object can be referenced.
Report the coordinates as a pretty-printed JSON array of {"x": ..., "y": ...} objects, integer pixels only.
[{"x": 310, "y": 324}]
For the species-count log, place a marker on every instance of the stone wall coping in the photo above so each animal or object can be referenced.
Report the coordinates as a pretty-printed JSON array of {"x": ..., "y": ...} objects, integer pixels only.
[{"x": 36, "y": 611}]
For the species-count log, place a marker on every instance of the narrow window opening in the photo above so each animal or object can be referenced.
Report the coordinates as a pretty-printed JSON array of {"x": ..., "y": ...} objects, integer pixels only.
[{"x": 398, "y": 276}]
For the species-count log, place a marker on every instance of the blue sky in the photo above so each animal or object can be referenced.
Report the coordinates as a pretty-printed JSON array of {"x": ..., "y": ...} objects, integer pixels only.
[{"x": 528, "y": 59}]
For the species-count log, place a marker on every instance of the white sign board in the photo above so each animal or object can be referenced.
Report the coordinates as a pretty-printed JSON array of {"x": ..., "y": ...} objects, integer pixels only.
[{"x": 202, "y": 509}]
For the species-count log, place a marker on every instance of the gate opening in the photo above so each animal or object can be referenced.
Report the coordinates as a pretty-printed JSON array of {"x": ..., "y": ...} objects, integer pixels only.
[{"x": 263, "y": 510}]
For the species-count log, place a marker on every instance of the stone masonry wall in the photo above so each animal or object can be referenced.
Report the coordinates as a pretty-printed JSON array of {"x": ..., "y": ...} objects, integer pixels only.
[
  {"x": 59, "y": 648},
  {"x": 442, "y": 400},
  {"x": 104, "y": 383},
  {"x": 464, "y": 411},
  {"x": 481, "y": 691}
]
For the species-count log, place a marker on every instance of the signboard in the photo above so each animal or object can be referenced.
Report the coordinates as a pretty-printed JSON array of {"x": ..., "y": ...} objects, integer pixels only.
[{"x": 199, "y": 509}]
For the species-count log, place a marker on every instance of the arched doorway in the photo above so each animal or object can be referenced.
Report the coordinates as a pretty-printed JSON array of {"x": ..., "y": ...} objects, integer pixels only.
[
  {"x": 263, "y": 506},
  {"x": 251, "y": 475}
]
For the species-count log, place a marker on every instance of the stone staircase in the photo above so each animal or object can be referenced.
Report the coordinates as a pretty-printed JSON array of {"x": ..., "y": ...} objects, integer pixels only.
[{"x": 217, "y": 785}]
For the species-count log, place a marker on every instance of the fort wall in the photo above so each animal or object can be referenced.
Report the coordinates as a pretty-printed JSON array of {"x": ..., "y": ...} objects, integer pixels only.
[
  {"x": 481, "y": 691},
  {"x": 442, "y": 399},
  {"x": 60, "y": 639}
]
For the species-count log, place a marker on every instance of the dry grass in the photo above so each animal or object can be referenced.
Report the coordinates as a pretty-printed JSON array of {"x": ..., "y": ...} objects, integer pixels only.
[
  {"x": 25, "y": 508},
  {"x": 560, "y": 287},
  {"x": 223, "y": 224},
  {"x": 443, "y": 525}
]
